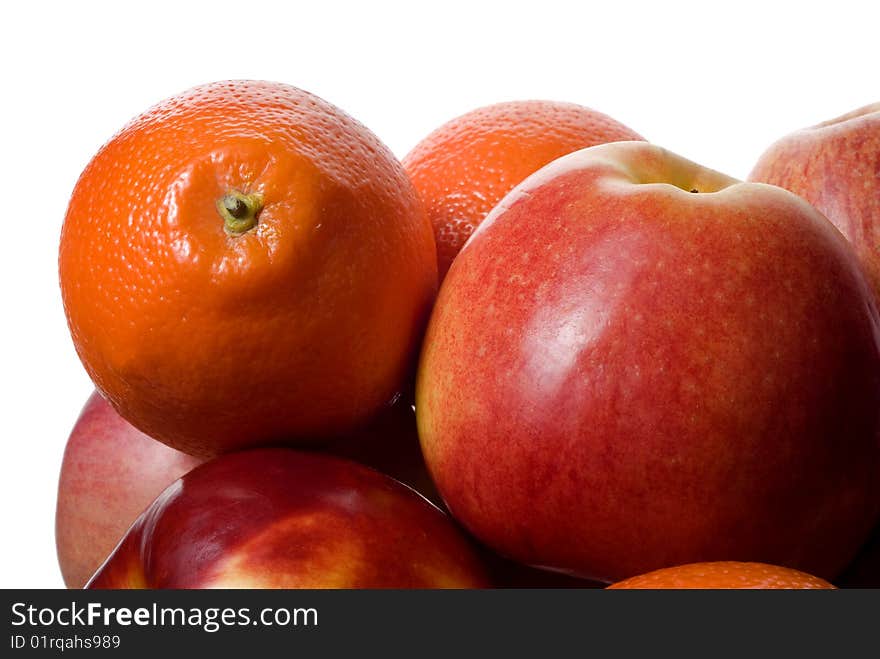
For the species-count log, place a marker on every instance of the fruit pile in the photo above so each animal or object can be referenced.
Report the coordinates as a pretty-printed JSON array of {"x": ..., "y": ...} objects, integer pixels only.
[{"x": 539, "y": 351}]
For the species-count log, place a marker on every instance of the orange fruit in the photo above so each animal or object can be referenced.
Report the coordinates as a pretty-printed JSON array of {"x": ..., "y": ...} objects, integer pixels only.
[
  {"x": 464, "y": 168},
  {"x": 244, "y": 264},
  {"x": 723, "y": 574}
]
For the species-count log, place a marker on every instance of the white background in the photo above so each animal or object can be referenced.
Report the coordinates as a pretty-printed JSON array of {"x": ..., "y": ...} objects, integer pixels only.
[{"x": 714, "y": 82}]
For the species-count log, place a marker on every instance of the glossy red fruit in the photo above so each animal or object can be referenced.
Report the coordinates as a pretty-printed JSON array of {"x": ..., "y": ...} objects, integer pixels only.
[
  {"x": 277, "y": 518},
  {"x": 638, "y": 362},
  {"x": 110, "y": 473},
  {"x": 835, "y": 165}
]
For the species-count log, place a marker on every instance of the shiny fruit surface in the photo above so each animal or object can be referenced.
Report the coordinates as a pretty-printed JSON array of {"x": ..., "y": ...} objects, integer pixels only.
[
  {"x": 245, "y": 264},
  {"x": 638, "y": 362},
  {"x": 278, "y": 518}
]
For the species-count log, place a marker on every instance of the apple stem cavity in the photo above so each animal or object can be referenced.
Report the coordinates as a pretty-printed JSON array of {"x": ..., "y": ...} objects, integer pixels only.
[{"x": 239, "y": 211}]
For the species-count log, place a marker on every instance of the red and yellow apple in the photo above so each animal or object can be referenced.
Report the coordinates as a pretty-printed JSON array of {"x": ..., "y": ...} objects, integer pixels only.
[
  {"x": 638, "y": 362},
  {"x": 279, "y": 518},
  {"x": 835, "y": 166},
  {"x": 111, "y": 471}
]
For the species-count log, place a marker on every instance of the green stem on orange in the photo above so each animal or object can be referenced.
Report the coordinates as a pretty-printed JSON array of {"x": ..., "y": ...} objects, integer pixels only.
[{"x": 239, "y": 211}]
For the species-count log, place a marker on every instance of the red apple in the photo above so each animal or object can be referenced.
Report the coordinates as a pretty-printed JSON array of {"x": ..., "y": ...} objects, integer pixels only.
[
  {"x": 110, "y": 473},
  {"x": 639, "y": 362},
  {"x": 836, "y": 167},
  {"x": 278, "y": 518}
]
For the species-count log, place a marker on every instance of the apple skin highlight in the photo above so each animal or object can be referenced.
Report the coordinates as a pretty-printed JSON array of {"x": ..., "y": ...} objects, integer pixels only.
[{"x": 278, "y": 518}]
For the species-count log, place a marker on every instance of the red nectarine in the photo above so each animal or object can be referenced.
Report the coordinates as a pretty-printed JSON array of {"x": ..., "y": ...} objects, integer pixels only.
[
  {"x": 278, "y": 518},
  {"x": 638, "y": 362}
]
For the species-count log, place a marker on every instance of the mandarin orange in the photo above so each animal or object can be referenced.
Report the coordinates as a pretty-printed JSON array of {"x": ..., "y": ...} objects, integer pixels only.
[
  {"x": 724, "y": 575},
  {"x": 244, "y": 264}
]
